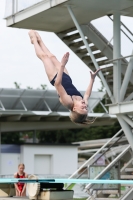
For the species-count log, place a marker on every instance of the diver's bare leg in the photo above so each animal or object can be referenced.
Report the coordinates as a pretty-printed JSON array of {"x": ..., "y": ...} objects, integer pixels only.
[
  {"x": 50, "y": 68},
  {"x": 51, "y": 56}
]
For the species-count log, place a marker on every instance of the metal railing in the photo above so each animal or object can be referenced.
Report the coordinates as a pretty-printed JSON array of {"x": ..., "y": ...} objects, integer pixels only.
[
  {"x": 90, "y": 160},
  {"x": 15, "y": 6},
  {"x": 130, "y": 32},
  {"x": 93, "y": 160}
]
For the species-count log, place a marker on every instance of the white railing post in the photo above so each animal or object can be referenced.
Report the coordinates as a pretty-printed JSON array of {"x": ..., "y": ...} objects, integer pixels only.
[
  {"x": 126, "y": 79},
  {"x": 116, "y": 54}
]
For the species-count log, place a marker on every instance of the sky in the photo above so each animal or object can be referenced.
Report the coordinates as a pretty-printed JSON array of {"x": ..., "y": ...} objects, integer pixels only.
[{"x": 18, "y": 62}]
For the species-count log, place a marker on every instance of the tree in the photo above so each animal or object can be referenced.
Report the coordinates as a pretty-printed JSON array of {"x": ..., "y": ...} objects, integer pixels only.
[
  {"x": 17, "y": 85},
  {"x": 11, "y": 138},
  {"x": 29, "y": 88},
  {"x": 43, "y": 86}
]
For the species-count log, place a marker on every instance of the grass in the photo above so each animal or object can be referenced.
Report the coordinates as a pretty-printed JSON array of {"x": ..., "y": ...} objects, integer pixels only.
[
  {"x": 71, "y": 186},
  {"x": 80, "y": 198}
]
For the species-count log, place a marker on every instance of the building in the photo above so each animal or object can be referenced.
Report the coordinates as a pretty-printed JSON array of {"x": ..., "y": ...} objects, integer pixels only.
[{"x": 39, "y": 159}]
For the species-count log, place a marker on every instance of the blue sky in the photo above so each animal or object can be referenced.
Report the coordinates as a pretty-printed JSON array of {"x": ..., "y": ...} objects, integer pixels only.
[{"x": 19, "y": 63}]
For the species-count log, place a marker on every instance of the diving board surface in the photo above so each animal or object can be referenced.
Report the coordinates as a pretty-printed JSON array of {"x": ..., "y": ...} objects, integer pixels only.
[{"x": 78, "y": 181}]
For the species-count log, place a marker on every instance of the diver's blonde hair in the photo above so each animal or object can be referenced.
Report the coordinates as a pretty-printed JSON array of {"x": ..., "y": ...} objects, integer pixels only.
[{"x": 80, "y": 119}]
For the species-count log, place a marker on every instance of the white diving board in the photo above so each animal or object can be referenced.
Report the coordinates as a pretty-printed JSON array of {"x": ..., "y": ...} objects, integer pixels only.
[{"x": 78, "y": 181}]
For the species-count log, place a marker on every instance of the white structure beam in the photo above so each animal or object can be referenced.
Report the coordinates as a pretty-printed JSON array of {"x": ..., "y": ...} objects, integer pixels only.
[
  {"x": 126, "y": 79},
  {"x": 19, "y": 98},
  {"x": 23, "y": 105},
  {"x": 130, "y": 97},
  {"x": 3, "y": 108},
  {"x": 116, "y": 54},
  {"x": 121, "y": 108},
  {"x": 127, "y": 129},
  {"x": 128, "y": 120}
]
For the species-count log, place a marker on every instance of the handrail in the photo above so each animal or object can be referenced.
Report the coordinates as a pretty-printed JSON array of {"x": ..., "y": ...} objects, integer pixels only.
[
  {"x": 107, "y": 168},
  {"x": 127, "y": 28},
  {"x": 127, "y": 194},
  {"x": 120, "y": 58},
  {"x": 105, "y": 40},
  {"x": 124, "y": 31},
  {"x": 102, "y": 154},
  {"x": 87, "y": 162},
  {"x": 15, "y": 5}
]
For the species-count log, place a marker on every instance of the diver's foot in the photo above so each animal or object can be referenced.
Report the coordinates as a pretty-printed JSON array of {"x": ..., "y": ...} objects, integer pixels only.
[
  {"x": 38, "y": 37},
  {"x": 32, "y": 36}
]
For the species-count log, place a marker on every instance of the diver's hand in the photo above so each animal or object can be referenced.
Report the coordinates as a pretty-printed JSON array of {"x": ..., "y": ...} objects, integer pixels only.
[
  {"x": 65, "y": 59},
  {"x": 93, "y": 74}
]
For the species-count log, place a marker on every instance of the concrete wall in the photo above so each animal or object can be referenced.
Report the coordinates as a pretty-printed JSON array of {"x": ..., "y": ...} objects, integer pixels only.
[
  {"x": 40, "y": 159},
  {"x": 62, "y": 159},
  {"x": 9, "y": 163}
]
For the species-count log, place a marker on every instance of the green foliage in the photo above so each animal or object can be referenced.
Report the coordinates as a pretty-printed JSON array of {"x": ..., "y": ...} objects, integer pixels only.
[
  {"x": 29, "y": 88},
  {"x": 43, "y": 86},
  {"x": 17, "y": 85},
  {"x": 63, "y": 136},
  {"x": 10, "y": 138},
  {"x": 75, "y": 135},
  {"x": 71, "y": 186}
]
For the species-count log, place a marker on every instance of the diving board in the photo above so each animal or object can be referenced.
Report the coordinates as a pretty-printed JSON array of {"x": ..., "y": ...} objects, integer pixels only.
[{"x": 77, "y": 181}]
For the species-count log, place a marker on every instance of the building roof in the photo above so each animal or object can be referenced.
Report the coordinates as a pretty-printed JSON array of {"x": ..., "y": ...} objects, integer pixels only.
[{"x": 19, "y": 108}]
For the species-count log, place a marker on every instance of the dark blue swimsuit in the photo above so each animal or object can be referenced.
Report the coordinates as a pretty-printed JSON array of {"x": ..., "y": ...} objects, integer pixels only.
[{"x": 68, "y": 86}]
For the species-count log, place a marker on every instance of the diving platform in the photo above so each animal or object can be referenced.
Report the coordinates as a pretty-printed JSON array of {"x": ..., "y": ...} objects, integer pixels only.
[{"x": 53, "y": 16}]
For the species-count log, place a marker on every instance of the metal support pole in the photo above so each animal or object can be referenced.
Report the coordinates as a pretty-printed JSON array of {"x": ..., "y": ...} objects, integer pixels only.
[
  {"x": 126, "y": 79},
  {"x": 16, "y": 6},
  {"x": 128, "y": 120},
  {"x": 130, "y": 97},
  {"x": 126, "y": 128},
  {"x": 116, "y": 54},
  {"x": 90, "y": 52}
]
